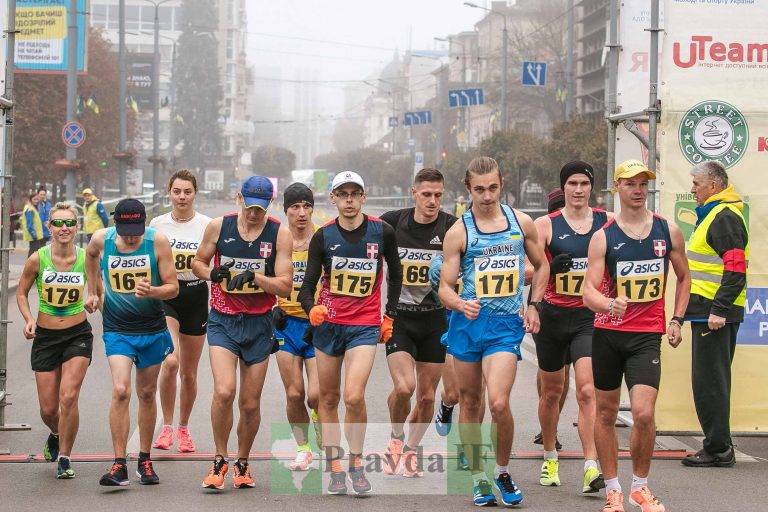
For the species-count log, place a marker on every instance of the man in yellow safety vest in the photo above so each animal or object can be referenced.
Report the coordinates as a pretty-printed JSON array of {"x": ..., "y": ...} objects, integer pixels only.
[
  {"x": 32, "y": 225},
  {"x": 718, "y": 254},
  {"x": 94, "y": 215}
]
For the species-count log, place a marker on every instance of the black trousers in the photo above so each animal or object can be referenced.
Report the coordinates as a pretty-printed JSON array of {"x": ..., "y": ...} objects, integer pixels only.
[
  {"x": 712, "y": 357},
  {"x": 34, "y": 245}
]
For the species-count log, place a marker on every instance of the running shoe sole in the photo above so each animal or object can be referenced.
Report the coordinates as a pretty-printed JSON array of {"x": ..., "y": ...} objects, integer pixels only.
[
  {"x": 212, "y": 486},
  {"x": 595, "y": 485},
  {"x": 151, "y": 482},
  {"x": 65, "y": 476},
  {"x": 114, "y": 483}
]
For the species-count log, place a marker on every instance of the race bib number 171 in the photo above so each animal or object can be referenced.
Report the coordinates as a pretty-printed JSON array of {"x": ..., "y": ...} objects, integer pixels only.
[{"x": 496, "y": 276}]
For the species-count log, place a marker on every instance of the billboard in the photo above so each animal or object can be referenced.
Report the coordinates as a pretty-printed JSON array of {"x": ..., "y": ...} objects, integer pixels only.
[
  {"x": 42, "y": 43},
  {"x": 139, "y": 76},
  {"x": 715, "y": 69}
]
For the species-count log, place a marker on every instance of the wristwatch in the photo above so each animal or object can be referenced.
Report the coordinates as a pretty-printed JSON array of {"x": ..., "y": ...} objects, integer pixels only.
[
  {"x": 536, "y": 304},
  {"x": 678, "y": 320}
]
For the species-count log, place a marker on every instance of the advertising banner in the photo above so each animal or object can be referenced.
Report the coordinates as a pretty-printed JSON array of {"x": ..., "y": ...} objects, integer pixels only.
[
  {"x": 715, "y": 72},
  {"x": 42, "y": 43},
  {"x": 139, "y": 77}
]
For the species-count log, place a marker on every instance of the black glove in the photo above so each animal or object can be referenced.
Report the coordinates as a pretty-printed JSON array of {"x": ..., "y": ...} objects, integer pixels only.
[
  {"x": 279, "y": 318},
  {"x": 240, "y": 279},
  {"x": 308, "y": 335},
  {"x": 560, "y": 264},
  {"x": 218, "y": 274}
]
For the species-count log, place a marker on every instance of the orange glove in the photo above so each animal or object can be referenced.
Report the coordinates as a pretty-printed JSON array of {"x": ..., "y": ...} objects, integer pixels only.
[
  {"x": 386, "y": 328},
  {"x": 317, "y": 315}
]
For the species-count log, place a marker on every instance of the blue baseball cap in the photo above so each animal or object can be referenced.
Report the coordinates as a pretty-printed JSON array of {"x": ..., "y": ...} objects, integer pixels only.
[{"x": 257, "y": 191}]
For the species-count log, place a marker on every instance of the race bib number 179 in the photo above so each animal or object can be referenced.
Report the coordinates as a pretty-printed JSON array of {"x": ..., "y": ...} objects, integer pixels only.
[{"x": 62, "y": 288}]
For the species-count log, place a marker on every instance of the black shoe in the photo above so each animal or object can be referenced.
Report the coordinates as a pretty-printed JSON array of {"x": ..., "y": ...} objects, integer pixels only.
[
  {"x": 539, "y": 439},
  {"x": 360, "y": 483},
  {"x": 702, "y": 459},
  {"x": 146, "y": 473},
  {"x": 338, "y": 483},
  {"x": 51, "y": 448},
  {"x": 116, "y": 477}
]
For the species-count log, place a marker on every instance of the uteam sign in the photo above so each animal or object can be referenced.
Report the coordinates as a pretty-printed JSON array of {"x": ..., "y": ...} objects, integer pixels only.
[{"x": 704, "y": 50}]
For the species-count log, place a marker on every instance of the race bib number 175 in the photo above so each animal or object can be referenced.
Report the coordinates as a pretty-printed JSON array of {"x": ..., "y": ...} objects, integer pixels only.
[{"x": 353, "y": 277}]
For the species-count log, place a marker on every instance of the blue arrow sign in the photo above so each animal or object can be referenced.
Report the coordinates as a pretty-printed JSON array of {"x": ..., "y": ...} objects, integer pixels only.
[
  {"x": 534, "y": 73},
  {"x": 421, "y": 117},
  {"x": 73, "y": 134},
  {"x": 465, "y": 97}
]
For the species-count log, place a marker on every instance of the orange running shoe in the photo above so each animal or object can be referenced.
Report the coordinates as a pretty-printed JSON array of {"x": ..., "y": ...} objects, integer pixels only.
[
  {"x": 644, "y": 499},
  {"x": 186, "y": 445},
  {"x": 215, "y": 477},
  {"x": 614, "y": 502},
  {"x": 392, "y": 457},
  {"x": 241, "y": 477},
  {"x": 164, "y": 441},
  {"x": 409, "y": 465}
]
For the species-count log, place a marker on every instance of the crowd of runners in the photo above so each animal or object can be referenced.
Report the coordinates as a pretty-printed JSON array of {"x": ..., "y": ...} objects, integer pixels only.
[{"x": 455, "y": 309}]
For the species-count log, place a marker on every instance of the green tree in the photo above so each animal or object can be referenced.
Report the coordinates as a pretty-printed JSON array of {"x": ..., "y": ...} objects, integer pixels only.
[
  {"x": 198, "y": 100},
  {"x": 40, "y": 113},
  {"x": 273, "y": 161}
]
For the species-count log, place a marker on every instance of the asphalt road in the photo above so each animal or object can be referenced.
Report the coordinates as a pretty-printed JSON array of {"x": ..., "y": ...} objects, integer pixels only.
[{"x": 32, "y": 485}]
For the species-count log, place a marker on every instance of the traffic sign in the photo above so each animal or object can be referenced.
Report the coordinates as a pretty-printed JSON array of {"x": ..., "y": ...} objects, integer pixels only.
[
  {"x": 534, "y": 73},
  {"x": 418, "y": 162},
  {"x": 465, "y": 97},
  {"x": 393, "y": 122},
  {"x": 420, "y": 117},
  {"x": 411, "y": 143},
  {"x": 73, "y": 134}
]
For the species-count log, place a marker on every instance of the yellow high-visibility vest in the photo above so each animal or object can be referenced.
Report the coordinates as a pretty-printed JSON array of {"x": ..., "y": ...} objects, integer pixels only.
[
  {"x": 37, "y": 223},
  {"x": 705, "y": 264},
  {"x": 91, "y": 219}
]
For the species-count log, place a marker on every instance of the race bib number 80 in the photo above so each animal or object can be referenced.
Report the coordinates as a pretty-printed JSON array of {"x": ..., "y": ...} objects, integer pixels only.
[
  {"x": 572, "y": 282},
  {"x": 640, "y": 281},
  {"x": 353, "y": 277},
  {"x": 62, "y": 288},
  {"x": 496, "y": 276},
  {"x": 125, "y": 271},
  {"x": 183, "y": 253},
  {"x": 257, "y": 266}
]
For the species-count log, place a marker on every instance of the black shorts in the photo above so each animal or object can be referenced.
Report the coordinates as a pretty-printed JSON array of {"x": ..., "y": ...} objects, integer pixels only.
[
  {"x": 565, "y": 336},
  {"x": 634, "y": 355},
  {"x": 53, "y": 347},
  {"x": 190, "y": 307},
  {"x": 419, "y": 335}
]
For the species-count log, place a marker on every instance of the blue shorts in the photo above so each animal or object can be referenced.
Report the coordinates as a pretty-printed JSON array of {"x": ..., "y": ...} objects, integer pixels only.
[
  {"x": 335, "y": 339},
  {"x": 144, "y": 350},
  {"x": 472, "y": 340},
  {"x": 249, "y": 337},
  {"x": 291, "y": 339}
]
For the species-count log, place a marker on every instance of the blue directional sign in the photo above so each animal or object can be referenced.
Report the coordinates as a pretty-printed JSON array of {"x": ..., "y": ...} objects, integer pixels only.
[
  {"x": 393, "y": 122},
  {"x": 421, "y": 117},
  {"x": 73, "y": 134},
  {"x": 465, "y": 97},
  {"x": 534, "y": 73}
]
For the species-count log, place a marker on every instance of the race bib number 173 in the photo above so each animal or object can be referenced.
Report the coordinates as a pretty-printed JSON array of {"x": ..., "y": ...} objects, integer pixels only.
[{"x": 640, "y": 281}]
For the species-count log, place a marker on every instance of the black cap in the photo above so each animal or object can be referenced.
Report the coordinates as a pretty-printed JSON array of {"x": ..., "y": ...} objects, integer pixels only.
[
  {"x": 130, "y": 217},
  {"x": 555, "y": 200},
  {"x": 576, "y": 167},
  {"x": 297, "y": 193}
]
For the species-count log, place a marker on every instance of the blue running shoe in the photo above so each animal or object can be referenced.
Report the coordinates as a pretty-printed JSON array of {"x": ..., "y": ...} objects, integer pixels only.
[
  {"x": 483, "y": 494},
  {"x": 443, "y": 419},
  {"x": 51, "y": 447},
  {"x": 64, "y": 470},
  {"x": 462, "y": 460},
  {"x": 510, "y": 494}
]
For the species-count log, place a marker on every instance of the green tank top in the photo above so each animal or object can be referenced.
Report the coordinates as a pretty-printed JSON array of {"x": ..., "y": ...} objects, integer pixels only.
[{"x": 61, "y": 293}]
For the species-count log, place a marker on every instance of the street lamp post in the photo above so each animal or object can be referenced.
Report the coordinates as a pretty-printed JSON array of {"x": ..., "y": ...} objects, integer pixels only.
[
  {"x": 504, "y": 61},
  {"x": 156, "y": 98}
]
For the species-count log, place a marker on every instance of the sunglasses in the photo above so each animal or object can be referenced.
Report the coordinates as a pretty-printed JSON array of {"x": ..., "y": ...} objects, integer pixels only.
[{"x": 57, "y": 223}]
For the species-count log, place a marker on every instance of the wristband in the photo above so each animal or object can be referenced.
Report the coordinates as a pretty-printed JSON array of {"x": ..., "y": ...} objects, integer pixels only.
[
  {"x": 610, "y": 307},
  {"x": 680, "y": 320}
]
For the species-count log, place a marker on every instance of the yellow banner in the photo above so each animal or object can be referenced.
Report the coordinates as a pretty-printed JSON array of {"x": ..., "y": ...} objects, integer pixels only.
[{"x": 714, "y": 76}]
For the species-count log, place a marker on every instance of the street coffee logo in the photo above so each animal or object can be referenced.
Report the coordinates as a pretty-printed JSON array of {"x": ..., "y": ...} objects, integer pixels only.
[{"x": 713, "y": 130}]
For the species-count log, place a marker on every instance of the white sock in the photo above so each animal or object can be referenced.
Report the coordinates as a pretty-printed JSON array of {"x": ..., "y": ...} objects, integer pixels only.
[
  {"x": 638, "y": 482},
  {"x": 589, "y": 463},
  {"x": 168, "y": 426},
  {"x": 550, "y": 455},
  {"x": 612, "y": 484},
  {"x": 499, "y": 470}
]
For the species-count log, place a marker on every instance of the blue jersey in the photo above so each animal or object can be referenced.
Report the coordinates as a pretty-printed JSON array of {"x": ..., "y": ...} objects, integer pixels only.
[
  {"x": 493, "y": 266},
  {"x": 123, "y": 311}
]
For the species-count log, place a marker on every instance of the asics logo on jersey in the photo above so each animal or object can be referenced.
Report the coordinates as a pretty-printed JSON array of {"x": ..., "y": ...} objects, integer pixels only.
[
  {"x": 50, "y": 278},
  {"x": 628, "y": 267},
  {"x": 227, "y": 240},
  {"x": 618, "y": 246},
  {"x": 473, "y": 242},
  {"x": 563, "y": 237},
  {"x": 435, "y": 241},
  {"x": 334, "y": 247}
]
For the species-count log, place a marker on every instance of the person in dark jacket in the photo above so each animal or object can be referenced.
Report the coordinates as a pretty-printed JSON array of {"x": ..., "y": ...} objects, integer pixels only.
[{"x": 718, "y": 252}]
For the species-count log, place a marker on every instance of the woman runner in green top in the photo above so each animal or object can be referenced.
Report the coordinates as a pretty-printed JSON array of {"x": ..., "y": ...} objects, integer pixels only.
[{"x": 62, "y": 340}]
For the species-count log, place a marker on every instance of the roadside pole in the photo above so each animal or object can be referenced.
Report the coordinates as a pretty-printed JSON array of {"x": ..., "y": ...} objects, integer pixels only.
[{"x": 71, "y": 179}]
